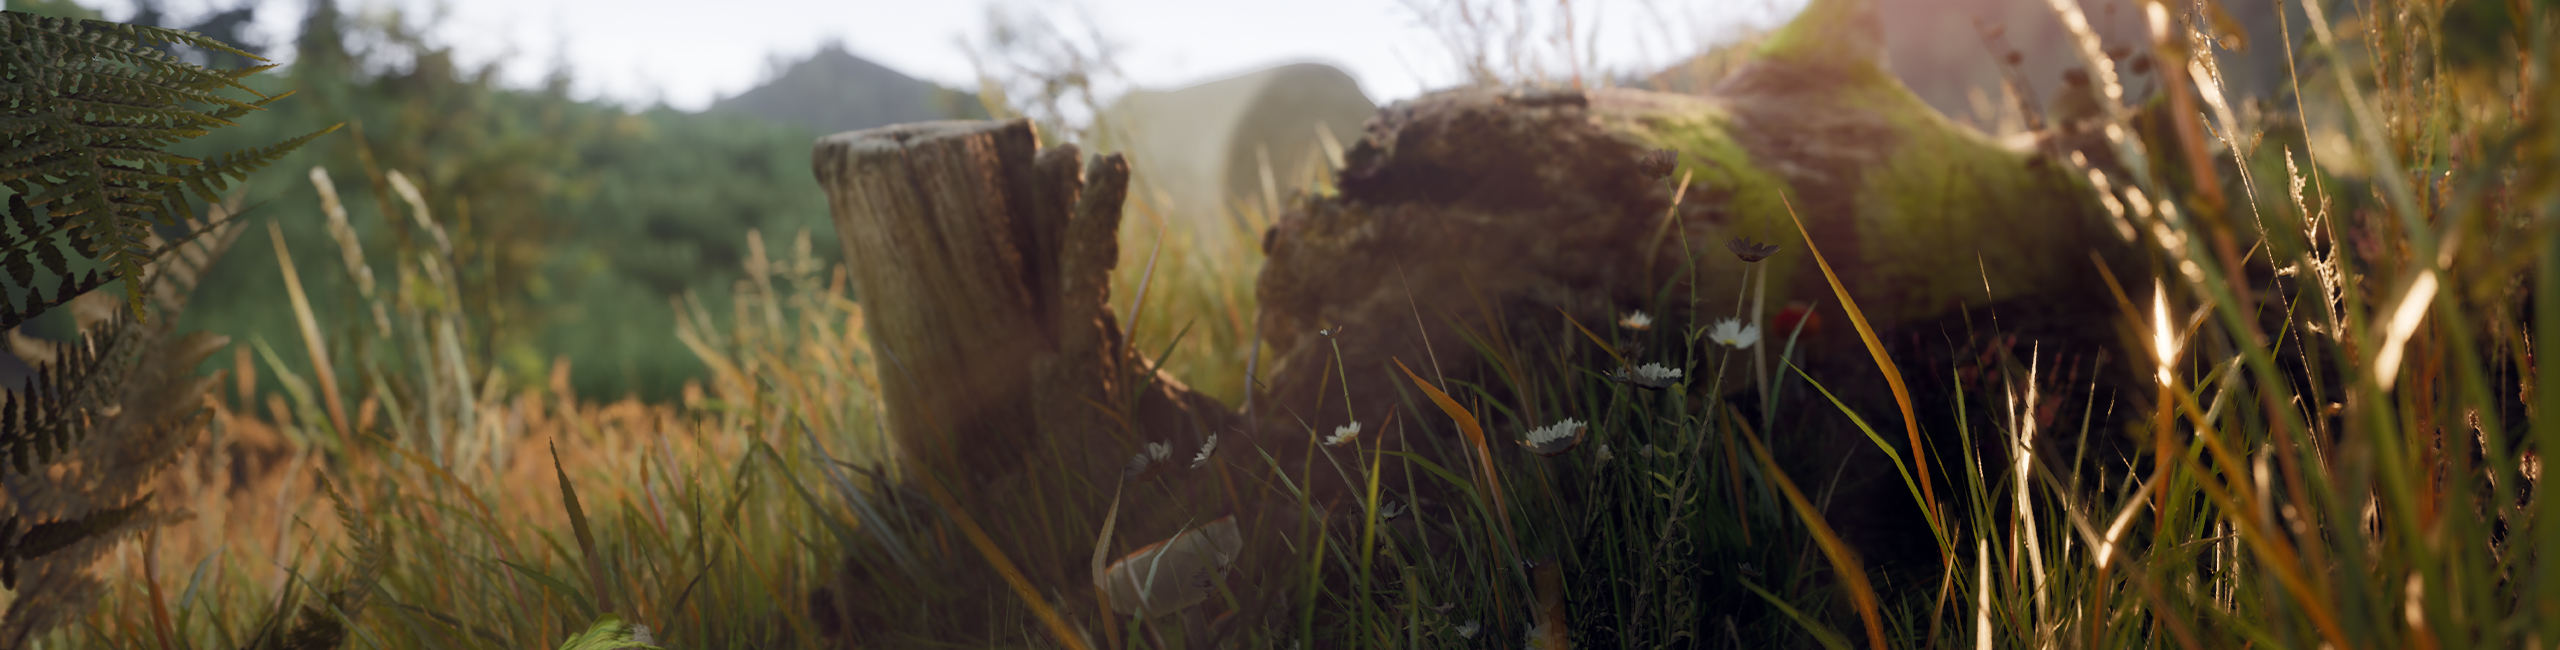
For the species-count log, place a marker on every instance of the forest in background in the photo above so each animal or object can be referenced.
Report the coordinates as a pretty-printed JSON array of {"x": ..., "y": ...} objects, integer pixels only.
[{"x": 575, "y": 222}]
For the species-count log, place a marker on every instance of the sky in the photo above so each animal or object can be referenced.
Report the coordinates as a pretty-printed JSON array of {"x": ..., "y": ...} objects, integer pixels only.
[{"x": 627, "y": 51}]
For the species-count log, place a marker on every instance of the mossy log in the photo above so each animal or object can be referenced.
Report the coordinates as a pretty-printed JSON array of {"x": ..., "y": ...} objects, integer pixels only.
[{"x": 1482, "y": 218}]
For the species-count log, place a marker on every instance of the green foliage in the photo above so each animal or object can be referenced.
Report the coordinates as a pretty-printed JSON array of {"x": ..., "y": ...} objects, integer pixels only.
[
  {"x": 610, "y": 633},
  {"x": 572, "y": 222},
  {"x": 92, "y": 111}
]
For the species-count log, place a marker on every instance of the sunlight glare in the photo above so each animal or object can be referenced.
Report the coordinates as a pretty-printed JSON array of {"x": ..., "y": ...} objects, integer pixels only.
[
  {"x": 2162, "y": 341},
  {"x": 2404, "y": 322}
]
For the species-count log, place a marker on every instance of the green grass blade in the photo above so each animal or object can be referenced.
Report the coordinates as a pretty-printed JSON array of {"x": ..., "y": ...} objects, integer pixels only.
[{"x": 1829, "y": 638}]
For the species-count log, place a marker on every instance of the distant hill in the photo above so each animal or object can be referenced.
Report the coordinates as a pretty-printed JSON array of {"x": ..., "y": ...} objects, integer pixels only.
[{"x": 835, "y": 91}]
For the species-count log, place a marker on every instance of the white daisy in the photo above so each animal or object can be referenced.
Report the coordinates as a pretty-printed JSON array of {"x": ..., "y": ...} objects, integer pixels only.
[
  {"x": 1343, "y": 434},
  {"x": 1604, "y": 453},
  {"x": 1391, "y": 510},
  {"x": 1654, "y": 375},
  {"x": 1468, "y": 630},
  {"x": 1637, "y": 321},
  {"x": 1138, "y": 464},
  {"x": 1146, "y": 459},
  {"x": 1731, "y": 333},
  {"x": 1555, "y": 438},
  {"x": 1206, "y": 448}
]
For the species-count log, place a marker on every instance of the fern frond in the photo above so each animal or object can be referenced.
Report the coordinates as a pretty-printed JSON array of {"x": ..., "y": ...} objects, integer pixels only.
[
  {"x": 372, "y": 552},
  {"x": 236, "y": 165},
  {"x": 41, "y": 540},
  {"x": 87, "y": 112},
  {"x": 37, "y": 423}
]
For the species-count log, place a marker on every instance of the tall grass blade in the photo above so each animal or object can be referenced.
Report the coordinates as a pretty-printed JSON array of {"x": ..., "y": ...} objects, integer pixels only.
[
  {"x": 1907, "y": 482},
  {"x": 1475, "y": 436},
  {"x": 1004, "y": 566},
  {"x": 1823, "y": 634},
  {"x": 1853, "y": 574},
  {"x": 1892, "y": 374},
  {"x": 586, "y": 536},
  {"x": 321, "y": 368}
]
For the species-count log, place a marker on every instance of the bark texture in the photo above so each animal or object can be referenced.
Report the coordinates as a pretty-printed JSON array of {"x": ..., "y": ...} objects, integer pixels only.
[{"x": 984, "y": 266}]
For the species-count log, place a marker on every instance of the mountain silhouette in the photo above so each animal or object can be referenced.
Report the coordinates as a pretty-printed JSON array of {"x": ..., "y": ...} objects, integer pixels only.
[{"x": 834, "y": 91}]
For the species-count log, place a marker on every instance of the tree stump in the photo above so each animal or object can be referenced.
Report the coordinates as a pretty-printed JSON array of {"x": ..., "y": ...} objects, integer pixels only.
[{"x": 983, "y": 264}]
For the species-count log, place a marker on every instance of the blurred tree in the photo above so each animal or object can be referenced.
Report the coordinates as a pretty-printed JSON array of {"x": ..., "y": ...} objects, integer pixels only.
[{"x": 55, "y": 9}]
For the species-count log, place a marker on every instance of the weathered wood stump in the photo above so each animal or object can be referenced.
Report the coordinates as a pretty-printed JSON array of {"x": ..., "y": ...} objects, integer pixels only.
[{"x": 983, "y": 264}]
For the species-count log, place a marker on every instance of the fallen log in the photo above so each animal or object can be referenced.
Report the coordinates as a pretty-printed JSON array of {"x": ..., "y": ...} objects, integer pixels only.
[{"x": 1476, "y": 231}]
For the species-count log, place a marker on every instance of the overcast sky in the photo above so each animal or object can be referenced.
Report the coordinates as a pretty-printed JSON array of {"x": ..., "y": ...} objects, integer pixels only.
[{"x": 629, "y": 50}]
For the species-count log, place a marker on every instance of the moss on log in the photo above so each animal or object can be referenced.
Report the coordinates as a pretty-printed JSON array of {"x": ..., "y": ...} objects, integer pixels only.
[{"x": 1474, "y": 216}]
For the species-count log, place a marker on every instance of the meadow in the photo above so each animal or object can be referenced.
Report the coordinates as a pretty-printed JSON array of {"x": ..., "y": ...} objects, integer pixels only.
[{"x": 2336, "y": 444}]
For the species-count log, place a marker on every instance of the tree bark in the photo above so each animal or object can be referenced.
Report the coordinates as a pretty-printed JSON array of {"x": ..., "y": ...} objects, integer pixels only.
[{"x": 983, "y": 264}]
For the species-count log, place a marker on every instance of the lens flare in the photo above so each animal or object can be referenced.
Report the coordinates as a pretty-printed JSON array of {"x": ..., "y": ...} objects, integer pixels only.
[
  {"x": 2162, "y": 341},
  {"x": 2404, "y": 322}
]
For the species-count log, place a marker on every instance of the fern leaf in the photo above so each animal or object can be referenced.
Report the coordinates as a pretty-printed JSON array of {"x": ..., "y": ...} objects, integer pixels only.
[
  {"x": 236, "y": 165},
  {"x": 90, "y": 109}
]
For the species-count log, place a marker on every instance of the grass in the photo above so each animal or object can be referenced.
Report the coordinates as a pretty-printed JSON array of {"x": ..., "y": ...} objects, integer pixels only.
[{"x": 2335, "y": 445}]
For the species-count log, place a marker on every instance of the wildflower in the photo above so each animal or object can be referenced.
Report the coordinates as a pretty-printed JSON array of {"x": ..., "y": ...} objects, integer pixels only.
[
  {"x": 1657, "y": 164},
  {"x": 1637, "y": 321},
  {"x": 1391, "y": 511},
  {"x": 1343, "y": 434},
  {"x": 1330, "y": 332},
  {"x": 1145, "y": 459},
  {"x": 1731, "y": 333},
  {"x": 1797, "y": 314},
  {"x": 1648, "y": 451},
  {"x": 1555, "y": 438},
  {"x": 1750, "y": 251},
  {"x": 1206, "y": 448},
  {"x": 1604, "y": 453},
  {"x": 1468, "y": 630},
  {"x": 1749, "y": 571},
  {"x": 1651, "y": 375}
]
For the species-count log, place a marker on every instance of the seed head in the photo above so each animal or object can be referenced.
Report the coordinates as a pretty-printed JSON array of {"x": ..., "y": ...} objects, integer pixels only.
[{"x": 1657, "y": 164}]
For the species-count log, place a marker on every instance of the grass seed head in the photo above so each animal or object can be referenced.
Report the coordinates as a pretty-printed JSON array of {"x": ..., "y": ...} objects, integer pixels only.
[{"x": 1657, "y": 164}]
